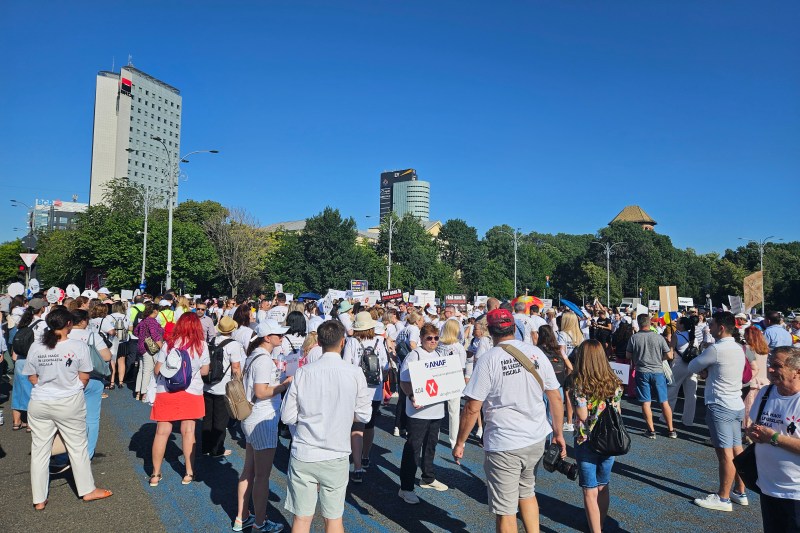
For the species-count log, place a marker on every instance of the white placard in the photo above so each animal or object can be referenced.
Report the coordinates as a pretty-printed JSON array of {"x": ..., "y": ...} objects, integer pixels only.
[
  {"x": 405, "y": 297},
  {"x": 292, "y": 362},
  {"x": 622, "y": 370},
  {"x": 480, "y": 300},
  {"x": 126, "y": 294},
  {"x": 278, "y": 287},
  {"x": 327, "y": 304},
  {"x": 737, "y": 305},
  {"x": 641, "y": 310},
  {"x": 289, "y": 297},
  {"x": 33, "y": 285},
  {"x": 372, "y": 297},
  {"x": 436, "y": 380},
  {"x": 688, "y": 302},
  {"x": 358, "y": 296},
  {"x": 425, "y": 297},
  {"x": 547, "y": 303},
  {"x": 336, "y": 295},
  {"x": 654, "y": 305}
]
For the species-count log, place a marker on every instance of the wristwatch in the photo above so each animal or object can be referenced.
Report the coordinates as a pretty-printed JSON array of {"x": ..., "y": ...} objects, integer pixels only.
[{"x": 774, "y": 439}]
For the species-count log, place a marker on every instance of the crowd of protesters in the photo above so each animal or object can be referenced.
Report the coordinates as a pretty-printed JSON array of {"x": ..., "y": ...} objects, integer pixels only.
[{"x": 317, "y": 374}]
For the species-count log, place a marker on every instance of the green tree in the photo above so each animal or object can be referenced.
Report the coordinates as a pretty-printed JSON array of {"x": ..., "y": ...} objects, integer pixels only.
[
  {"x": 10, "y": 260},
  {"x": 328, "y": 244},
  {"x": 58, "y": 263},
  {"x": 461, "y": 251}
]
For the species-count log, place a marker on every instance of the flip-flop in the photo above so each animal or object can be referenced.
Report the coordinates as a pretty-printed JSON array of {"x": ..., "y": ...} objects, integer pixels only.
[
  {"x": 106, "y": 494},
  {"x": 184, "y": 481},
  {"x": 43, "y": 505},
  {"x": 158, "y": 479}
]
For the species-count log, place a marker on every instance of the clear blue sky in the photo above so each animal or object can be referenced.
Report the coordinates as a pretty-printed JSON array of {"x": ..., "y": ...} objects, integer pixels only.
[{"x": 548, "y": 116}]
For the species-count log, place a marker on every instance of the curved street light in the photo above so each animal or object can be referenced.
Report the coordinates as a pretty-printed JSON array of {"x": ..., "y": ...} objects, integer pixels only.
[{"x": 608, "y": 247}]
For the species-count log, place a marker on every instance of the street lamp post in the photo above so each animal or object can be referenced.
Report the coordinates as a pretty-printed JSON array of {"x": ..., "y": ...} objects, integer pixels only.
[
  {"x": 17, "y": 203},
  {"x": 389, "y": 265},
  {"x": 514, "y": 235},
  {"x": 761, "y": 244},
  {"x": 174, "y": 174},
  {"x": 608, "y": 247},
  {"x": 146, "y": 199}
]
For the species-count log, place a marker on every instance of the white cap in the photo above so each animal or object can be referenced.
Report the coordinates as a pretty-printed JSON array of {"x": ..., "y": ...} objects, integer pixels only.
[
  {"x": 431, "y": 310},
  {"x": 171, "y": 364},
  {"x": 270, "y": 327},
  {"x": 380, "y": 329},
  {"x": 103, "y": 290},
  {"x": 164, "y": 303}
]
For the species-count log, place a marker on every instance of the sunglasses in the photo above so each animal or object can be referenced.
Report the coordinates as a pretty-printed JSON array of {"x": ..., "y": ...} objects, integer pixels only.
[
  {"x": 200, "y": 308},
  {"x": 431, "y": 338}
]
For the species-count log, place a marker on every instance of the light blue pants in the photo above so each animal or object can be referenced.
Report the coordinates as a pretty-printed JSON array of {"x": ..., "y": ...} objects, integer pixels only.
[{"x": 93, "y": 394}]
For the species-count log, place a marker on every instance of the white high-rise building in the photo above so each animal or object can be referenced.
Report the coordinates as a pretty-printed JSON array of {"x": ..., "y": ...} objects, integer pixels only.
[{"x": 131, "y": 107}]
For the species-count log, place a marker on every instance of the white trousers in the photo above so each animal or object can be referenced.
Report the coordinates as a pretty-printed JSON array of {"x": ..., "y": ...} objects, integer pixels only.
[
  {"x": 68, "y": 416},
  {"x": 145, "y": 374},
  {"x": 681, "y": 377},
  {"x": 454, "y": 414}
]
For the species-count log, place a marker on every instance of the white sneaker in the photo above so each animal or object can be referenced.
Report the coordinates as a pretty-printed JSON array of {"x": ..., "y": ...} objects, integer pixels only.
[
  {"x": 435, "y": 485},
  {"x": 395, "y": 395},
  {"x": 712, "y": 501},
  {"x": 568, "y": 427},
  {"x": 741, "y": 499},
  {"x": 408, "y": 496},
  {"x": 396, "y": 432}
]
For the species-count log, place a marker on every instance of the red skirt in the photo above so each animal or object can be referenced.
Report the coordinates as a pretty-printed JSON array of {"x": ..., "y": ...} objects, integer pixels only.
[{"x": 174, "y": 406}]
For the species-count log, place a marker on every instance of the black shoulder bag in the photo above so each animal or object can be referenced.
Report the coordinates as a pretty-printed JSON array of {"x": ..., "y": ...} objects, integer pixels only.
[
  {"x": 745, "y": 462},
  {"x": 609, "y": 436}
]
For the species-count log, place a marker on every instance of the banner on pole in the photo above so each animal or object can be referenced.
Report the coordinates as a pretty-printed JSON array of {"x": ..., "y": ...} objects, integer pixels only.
[
  {"x": 391, "y": 295},
  {"x": 668, "y": 296},
  {"x": 753, "y": 286},
  {"x": 737, "y": 305}
]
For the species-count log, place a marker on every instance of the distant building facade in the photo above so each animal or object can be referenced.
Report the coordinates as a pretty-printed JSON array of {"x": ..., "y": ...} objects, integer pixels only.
[
  {"x": 130, "y": 108},
  {"x": 402, "y": 193},
  {"x": 55, "y": 214}
]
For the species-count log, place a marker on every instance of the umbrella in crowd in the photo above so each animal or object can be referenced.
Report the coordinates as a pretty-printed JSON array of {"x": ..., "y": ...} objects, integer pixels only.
[
  {"x": 528, "y": 301},
  {"x": 572, "y": 307}
]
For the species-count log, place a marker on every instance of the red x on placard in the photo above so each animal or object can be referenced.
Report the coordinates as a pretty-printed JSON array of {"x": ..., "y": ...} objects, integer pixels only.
[{"x": 431, "y": 387}]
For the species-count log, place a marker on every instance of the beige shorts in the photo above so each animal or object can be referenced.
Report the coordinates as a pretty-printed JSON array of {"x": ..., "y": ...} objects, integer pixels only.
[
  {"x": 511, "y": 476},
  {"x": 305, "y": 479}
]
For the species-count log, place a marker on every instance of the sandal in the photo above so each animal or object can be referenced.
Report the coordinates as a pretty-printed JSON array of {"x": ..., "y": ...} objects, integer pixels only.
[
  {"x": 103, "y": 495},
  {"x": 188, "y": 481},
  {"x": 157, "y": 477},
  {"x": 40, "y": 506},
  {"x": 17, "y": 427}
]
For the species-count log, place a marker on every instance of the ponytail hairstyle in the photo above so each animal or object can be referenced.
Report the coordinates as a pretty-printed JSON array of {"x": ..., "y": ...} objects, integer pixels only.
[
  {"x": 26, "y": 318},
  {"x": 57, "y": 320},
  {"x": 255, "y": 343}
]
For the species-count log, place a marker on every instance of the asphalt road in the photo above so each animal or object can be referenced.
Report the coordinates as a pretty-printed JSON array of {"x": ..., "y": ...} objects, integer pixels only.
[{"x": 651, "y": 488}]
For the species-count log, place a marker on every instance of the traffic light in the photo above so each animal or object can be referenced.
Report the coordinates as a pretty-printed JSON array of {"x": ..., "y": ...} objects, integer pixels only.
[{"x": 21, "y": 273}]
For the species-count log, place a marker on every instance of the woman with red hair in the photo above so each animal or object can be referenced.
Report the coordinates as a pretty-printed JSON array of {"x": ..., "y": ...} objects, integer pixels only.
[
  {"x": 185, "y": 405},
  {"x": 756, "y": 349}
]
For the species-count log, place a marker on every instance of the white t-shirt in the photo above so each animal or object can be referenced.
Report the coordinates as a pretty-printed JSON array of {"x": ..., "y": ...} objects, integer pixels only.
[
  {"x": 392, "y": 330},
  {"x": 408, "y": 335},
  {"x": 725, "y": 363},
  {"x": 429, "y": 412},
  {"x": 537, "y": 322},
  {"x": 261, "y": 370},
  {"x": 57, "y": 369},
  {"x": 778, "y": 468},
  {"x": 347, "y": 322},
  {"x": 354, "y": 349},
  {"x": 38, "y": 329},
  {"x": 233, "y": 352},
  {"x": 278, "y": 313},
  {"x": 513, "y": 407},
  {"x": 243, "y": 334},
  {"x": 313, "y": 355},
  {"x": 196, "y": 386},
  {"x": 292, "y": 351},
  {"x": 455, "y": 349},
  {"x": 566, "y": 340},
  {"x": 313, "y": 322}
]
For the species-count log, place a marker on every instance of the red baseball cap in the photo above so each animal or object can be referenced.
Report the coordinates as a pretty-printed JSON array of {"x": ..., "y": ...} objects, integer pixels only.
[{"x": 500, "y": 318}]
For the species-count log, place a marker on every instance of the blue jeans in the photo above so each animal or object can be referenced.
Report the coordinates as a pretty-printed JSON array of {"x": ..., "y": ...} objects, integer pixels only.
[
  {"x": 550, "y": 416},
  {"x": 593, "y": 470},
  {"x": 21, "y": 394},
  {"x": 93, "y": 395}
]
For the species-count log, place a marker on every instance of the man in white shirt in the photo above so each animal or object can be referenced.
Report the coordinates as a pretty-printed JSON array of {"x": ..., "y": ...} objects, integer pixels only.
[
  {"x": 450, "y": 314},
  {"x": 536, "y": 319},
  {"x": 279, "y": 310},
  {"x": 721, "y": 365},
  {"x": 525, "y": 320},
  {"x": 324, "y": 399},
  {"x": 516, "y": 425},
  {"x": 263, "y": 311}
]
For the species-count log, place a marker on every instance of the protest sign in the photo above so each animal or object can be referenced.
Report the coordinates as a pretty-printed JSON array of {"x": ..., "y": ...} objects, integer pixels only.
[
  {"x": 686, "y": 302},
  {"x": 358, "y": 285},
  {"x": 391, "y": 295},
  {"x": 289, "y": 297},
  {"x": 459, "y": 301},
  {"x": 278, "y": 287},
  {"x": 753, "y": 286},
  {"x": 126, "y": 294},
  {"x": 668, "y": 296},
  {"x": 622, "y": 371},
  {"x": 480, "y": 300},
  {"x": 436, "y": 380},
  {"x": 641, "y": 310},
  {"x": 737, "y": 305},
  {"x": 547, "y": 303},
  {"x": 327, "y": 303},
  {"x": 654, "y": 305},
  {"x": 425, "y": 297}
]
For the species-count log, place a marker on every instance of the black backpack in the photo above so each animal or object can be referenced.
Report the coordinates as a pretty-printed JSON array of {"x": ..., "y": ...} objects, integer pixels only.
[
  {"x": 216, "y": 370},
  {"x": 402, "y": 348},
  {"x": 609, "y": 436},
  {"x": 370, "y": 364},
  {"x": 23, "y": 340},
  {"x": 138, "y": 316}
]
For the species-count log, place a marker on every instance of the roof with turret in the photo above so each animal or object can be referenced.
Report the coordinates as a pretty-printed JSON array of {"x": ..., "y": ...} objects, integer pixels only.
[{"x": 634, "y": 213}]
